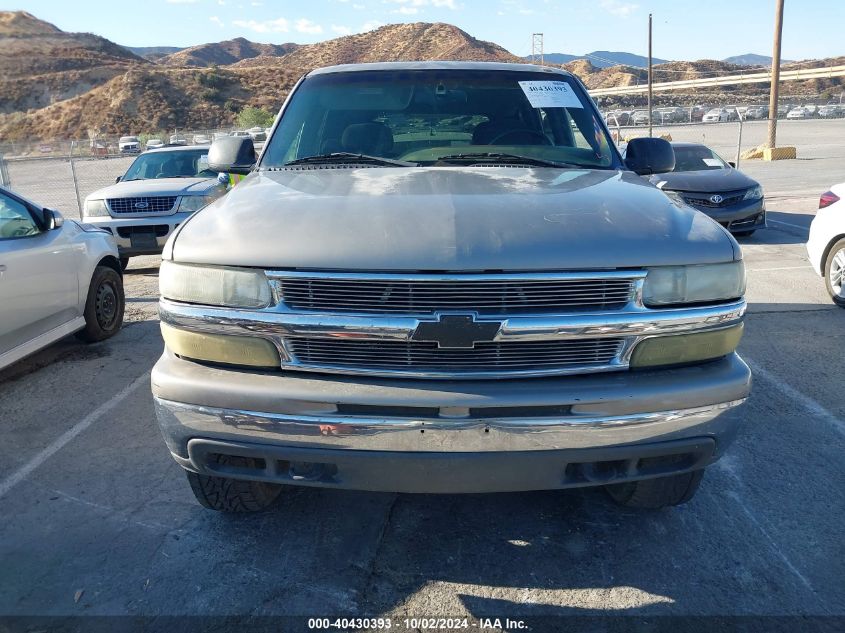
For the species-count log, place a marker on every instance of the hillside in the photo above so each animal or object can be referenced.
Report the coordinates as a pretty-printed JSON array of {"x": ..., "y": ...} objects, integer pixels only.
[
  {"x": 39, "y": 64},
  {"x": 601, "y": 59},
  {"x": 57, "y": 85},
  {"x": 394, "y": 42},
  {"x": 224, "y": 53},
  {"x": 752, "y": 59},
  {"x": 154, "y": 53}
]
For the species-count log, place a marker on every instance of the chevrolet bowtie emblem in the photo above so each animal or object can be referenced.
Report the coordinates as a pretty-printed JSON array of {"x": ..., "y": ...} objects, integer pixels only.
[{"x": 456, "y": 331}]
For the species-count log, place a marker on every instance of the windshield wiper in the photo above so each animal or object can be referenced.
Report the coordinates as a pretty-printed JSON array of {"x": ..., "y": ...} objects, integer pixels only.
[
  {"x": 505, "y": 159},
  {"x": 349, "y": 158}
]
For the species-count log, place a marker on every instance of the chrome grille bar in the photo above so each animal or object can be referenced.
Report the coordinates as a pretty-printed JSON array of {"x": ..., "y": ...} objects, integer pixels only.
[
  {"x": 423, "y": 357},
  {"x": 421, "y": 294}
]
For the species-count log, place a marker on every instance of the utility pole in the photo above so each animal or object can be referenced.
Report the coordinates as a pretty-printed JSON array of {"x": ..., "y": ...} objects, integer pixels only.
[
  {"x": 649, "y": 75},
  {"x": 537, "y": 47},
  {"x": 773, "y": 92}
]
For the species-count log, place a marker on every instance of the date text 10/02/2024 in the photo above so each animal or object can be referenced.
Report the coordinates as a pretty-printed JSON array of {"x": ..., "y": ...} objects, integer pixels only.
[{"x": 415, "y": 624}]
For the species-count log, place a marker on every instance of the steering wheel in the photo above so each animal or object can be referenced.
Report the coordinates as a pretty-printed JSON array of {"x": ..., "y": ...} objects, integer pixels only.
[{"x": 542, "y": 137}]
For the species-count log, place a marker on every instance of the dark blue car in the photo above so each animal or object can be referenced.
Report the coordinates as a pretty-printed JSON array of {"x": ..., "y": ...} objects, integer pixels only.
[{"x": 703, "y": 180}]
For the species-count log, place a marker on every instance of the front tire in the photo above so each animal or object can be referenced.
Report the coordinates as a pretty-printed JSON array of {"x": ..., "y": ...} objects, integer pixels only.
[
  {"x": 834, "y": 273},
  {"x": 660, "y": 492},
  {"x": 233, "y": 495},
  {"x": 104, "y": 306}
]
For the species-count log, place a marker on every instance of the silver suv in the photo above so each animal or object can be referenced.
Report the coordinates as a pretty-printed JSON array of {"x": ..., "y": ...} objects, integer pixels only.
[
  {"x": 441, "y": 277},
  {"x": 159, "y": 191}
]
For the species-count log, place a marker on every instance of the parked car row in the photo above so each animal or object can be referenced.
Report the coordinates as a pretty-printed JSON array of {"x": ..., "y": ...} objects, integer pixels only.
[{"x": 691, "y": 114}]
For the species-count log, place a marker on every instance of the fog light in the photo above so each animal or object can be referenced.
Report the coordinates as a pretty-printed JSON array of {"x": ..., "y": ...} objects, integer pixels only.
[
  {"x": 221, "y": 348},
  {"x": 686, "y": 348}
]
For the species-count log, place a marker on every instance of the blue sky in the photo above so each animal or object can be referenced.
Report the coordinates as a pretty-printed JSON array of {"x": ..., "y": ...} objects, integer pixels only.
[{"x": 683, "y": 29}]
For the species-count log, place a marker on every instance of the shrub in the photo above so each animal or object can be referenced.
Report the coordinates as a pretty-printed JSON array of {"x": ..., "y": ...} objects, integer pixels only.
[{"x": 254, "y": 117}]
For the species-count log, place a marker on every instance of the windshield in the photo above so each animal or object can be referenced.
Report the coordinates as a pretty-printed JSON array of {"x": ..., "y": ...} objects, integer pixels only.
[
  {"x": 697, "y": 158},
  {"x": 170, "y": 164},
  {"x": 422, "y": 116}
]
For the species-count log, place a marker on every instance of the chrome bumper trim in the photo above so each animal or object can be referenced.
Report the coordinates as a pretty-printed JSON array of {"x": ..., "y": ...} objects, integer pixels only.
[
  {"x": 430, "y": 434},
  {"x": 276, "y": 325}
]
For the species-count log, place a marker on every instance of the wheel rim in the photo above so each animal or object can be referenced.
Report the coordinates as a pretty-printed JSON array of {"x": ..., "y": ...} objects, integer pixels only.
[
  {"x": 106, "y": 305},
  {"x": 837, "y": 273}
]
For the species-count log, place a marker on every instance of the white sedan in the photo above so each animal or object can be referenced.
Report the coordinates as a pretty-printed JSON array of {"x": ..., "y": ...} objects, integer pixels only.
[
  {"x": 716, "y": 115},
  {"x": 56, "y": 278},
  {"x": 826, "y": 246}
]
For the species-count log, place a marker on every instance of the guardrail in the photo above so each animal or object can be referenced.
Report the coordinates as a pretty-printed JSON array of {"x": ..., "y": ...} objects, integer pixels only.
[{"x": 725, "y": 80}]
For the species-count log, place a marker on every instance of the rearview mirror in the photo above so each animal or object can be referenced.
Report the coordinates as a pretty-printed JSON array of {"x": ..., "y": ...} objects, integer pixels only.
[
  {"x": 117, "y": 179},
  {"x": 52, "y": 219},
  {"x": 232, "y": 154},
  {"x": 646, "y": 156}
]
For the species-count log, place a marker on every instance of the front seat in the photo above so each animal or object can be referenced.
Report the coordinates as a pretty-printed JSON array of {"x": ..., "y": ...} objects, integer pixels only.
[{"x": 374, "y": 139}]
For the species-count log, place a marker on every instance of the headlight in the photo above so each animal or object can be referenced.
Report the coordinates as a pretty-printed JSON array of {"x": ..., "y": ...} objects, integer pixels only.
[
  {"x": 669, "y": 285},
  {"x": 193, "y": 203},
  {"x": 214, "y": 285},
  {"x": 96, "y": 208},
  {"x": 218, "y": 348},
  {"x": 755, "y": 193},
  {"x": 675, "y": 197},
  {"x": 679, "y": 349}
]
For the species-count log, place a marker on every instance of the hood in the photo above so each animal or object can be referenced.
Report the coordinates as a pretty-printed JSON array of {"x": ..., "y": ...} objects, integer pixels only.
[
  {"x": 704, "y": 181},
  {"x": 448, "y": 219},
  {"x": 157, "y": 187}
]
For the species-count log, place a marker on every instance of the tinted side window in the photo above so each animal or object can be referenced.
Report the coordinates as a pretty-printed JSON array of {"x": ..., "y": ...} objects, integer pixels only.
[{"x": 15, "y": 219}]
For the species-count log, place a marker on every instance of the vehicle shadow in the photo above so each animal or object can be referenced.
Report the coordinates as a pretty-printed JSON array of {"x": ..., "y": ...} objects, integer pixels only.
[{"x": 783, "y": 228}]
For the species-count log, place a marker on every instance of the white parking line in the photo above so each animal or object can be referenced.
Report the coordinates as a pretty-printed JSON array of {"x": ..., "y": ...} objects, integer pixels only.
[
  {"x": 23, "y": 472},
  {"x": 763, "y": 270},
  {"x": 794, "y": 226},
  {"x": 796, "y": 396}
]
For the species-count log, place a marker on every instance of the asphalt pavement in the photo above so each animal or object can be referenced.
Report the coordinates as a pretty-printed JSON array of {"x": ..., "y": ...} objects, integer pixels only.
[{"x": 99, "y": 521}]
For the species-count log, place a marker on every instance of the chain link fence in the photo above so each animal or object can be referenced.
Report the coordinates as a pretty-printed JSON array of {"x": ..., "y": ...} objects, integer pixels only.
[{"x": 61, "y": 174}]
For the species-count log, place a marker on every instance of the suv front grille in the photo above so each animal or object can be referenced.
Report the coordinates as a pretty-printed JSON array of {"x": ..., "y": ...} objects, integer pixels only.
[
  {"x": 427, "y": 358},
  {"x": 157, "y": 204},
  {"x": 427, "y": 294}
]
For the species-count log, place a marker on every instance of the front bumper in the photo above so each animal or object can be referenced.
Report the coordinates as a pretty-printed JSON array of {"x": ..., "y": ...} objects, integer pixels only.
[
  {"x": 123, "y": 229},
  {"x": 444, "y": 436},
  {"x": 744, "y": 216}
]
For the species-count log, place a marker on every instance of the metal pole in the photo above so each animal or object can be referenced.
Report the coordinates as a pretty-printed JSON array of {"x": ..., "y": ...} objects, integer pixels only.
[
  {"x": 773, "y": 92},
  {"x": 75, "y": 182},
  {"x": 649, "y": 76},
  {"x": 738, "y": 141}
]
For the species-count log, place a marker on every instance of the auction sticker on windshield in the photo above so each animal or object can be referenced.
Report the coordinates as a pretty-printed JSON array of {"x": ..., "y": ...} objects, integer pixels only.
[{"x": 550, "y": 94}]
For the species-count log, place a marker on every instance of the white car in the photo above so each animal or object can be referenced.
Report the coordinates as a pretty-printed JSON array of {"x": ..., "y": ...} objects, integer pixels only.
[
  {"x": 716, "y": 115},
  {"x": 154, "y": 143},
  {"x": 178, "y": 139},
  {"x": 201, "y": 139},
  {"x": 798, "y": 113},
  {"x": 826, "y": 245},
  {"x": 56, "y": 278},
  {"x": 129, "y": 145}
]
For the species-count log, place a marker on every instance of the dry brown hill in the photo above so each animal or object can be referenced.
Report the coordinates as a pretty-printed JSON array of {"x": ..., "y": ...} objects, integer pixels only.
[
  {"x": 224, "y": 53},
  {"x": 56, "y": 85},
  {"x": 20, "y": 23},
  {"x": 394, "y": 42},
  {"x": 39, "y": 64}
]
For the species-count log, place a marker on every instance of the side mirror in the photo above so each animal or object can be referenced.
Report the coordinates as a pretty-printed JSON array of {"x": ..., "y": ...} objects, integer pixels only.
[
  {"x": 646, "y": 156},
  {"x": 732, "y": 164},
  {"x": 117, "y": 179},
  {"x": 232, "y": 154},
  {"x": 52, "y": 219}
]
